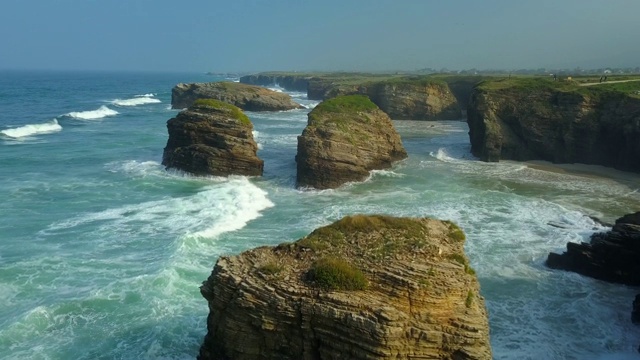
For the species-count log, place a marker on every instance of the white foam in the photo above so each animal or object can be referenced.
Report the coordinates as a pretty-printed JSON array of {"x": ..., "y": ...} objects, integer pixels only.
[
  {"x": 276, "y": 89},
  {"x": 442, "y": 155},
  {"x": 32, "y": 129},
  {"x": 138, "y": 100},
  {"x": 311, "y": 104},
  {"x": 99, "y": 113},
  {"x": 146, "y": 95},
  {"x": 215, "y": 209},
  {"x": 386, "y": 173},
  {"x": 256, "y": 135}
]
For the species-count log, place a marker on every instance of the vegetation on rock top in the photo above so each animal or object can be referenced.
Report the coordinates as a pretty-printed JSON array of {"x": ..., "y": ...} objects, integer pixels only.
[
  {"x": 347, "y": 103},
  {"x": 332, "y": 273},
  {"x": 234, "y": 111},
  {"x": 631, "y": 88}
]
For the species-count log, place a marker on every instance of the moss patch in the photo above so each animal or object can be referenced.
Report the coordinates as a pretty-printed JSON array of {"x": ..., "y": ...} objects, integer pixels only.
[
  {"x": 454, "y": 231},
  {"x": 460, "y": 259},
  {"x": 344, "y": 104},
  {"x": 332, "y": 273},
  {"x": 469, "y": 300},
  {"x": 270, "y": 268},
  {"x": 234, "y": 111}
]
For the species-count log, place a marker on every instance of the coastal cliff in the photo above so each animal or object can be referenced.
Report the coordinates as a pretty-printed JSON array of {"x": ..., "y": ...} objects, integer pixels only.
[
  {"x": 212, "y": 138},
  {"x": 246, "y": 97},
  {"x": 345, "y": 138},
  {"x": 538, "y": 119},
  {"x": 364, "y": 287},
  {"x": 401, "y": 97}
]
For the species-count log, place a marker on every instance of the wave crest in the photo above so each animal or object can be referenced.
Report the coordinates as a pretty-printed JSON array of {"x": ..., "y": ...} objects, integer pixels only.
[
  {"x": 99, "y": 113},
  {"x": 137, "y": 100},
  {"x": 32, "y": 129}
]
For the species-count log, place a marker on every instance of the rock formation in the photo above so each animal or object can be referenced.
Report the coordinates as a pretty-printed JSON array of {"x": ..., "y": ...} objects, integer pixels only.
[
  {"x": 611, "y": 256},
  {"x": 212, "y": 138},
  {"x": 365, "y": 287},
  {"x": 401, "y": 97},
  {"x": 246, "y": 97},
  {"x": 530, "y": 119},
  {"x": 345, "y": 138}
]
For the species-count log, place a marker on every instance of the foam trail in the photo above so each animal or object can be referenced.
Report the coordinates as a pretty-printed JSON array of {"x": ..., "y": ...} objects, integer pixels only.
[
  {"x": 99, "y": 113},
  {"x": 138, "y": 100},
  {"x": 32, "y": 129},
  {"x": 214, "y": 210}
]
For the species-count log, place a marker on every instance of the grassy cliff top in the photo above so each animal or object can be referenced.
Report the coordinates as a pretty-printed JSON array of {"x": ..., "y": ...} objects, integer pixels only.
[
  {"x": 357, "y": 78},
  {"x": 232, "y": 110},
  {"x": 580, "y": 85},
  {"x": 347, "y": 103}
]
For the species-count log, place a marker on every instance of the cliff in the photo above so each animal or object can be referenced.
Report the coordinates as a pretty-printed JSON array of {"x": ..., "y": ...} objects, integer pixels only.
[
  {"x": 246, "y": 97},
  {"x": 401, "y": 97},
  {"x": 365, "y": 287},
  {"x": 527, "y": 119},
  {"x": 345, "y": 138},
  {"x": 212, "y": 138}
]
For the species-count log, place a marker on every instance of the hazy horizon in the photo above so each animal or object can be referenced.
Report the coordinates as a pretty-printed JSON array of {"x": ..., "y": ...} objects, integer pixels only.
[{"x": 250, "y": 36}]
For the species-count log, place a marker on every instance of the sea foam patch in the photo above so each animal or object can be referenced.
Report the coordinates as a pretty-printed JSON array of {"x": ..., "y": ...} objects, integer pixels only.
[
  {"x": 137, "y": 100},
  {"x": 102, "y": 112},
  {"x": 32, "y": 129}
]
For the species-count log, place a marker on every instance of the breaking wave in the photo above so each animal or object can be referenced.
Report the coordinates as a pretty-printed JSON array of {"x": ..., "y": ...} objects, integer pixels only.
[
  {"x": 99, "y": 113},
  {"x": 32, "y": 129}
]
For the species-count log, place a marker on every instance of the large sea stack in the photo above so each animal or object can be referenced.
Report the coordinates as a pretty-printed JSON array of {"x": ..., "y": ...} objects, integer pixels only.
[
  {"x": 561, "y": 122},
  {"x": 212, "y": 138},
  {"x": 246, "y": 97},
  {"x": 364, "y": 287},
  {"x": 345, "y": 138}
]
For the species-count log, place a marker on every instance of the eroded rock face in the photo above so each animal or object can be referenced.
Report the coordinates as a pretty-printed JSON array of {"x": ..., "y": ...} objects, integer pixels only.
[
  {"x": 539, "y": 122},
  {"x": 212, "y": 138},
  {"x": 246, "y": 97},
  {"x": 345, "y": 138},
  {"x": 401, "y": 97},
  {"x": 420, "y": 299},
  {"x": 611, "y": 256}
]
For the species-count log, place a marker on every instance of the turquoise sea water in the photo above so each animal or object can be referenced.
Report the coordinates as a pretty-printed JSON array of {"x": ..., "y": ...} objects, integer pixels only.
[{"x": 102, "y": 250}]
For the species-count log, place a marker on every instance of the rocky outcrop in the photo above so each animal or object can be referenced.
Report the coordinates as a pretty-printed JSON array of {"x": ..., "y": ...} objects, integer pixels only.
[
  {"x": 246, "y": 97},
  {"x": 365, "y": 287},
  {"x": 345, "y": 138},
  {"x": 291, "y": 82},
  {"x": 611, "y": 256},
  {"x": 539, "y": 120},
  {"x": 212, "y": 138},
  {"x": 401, "y": 97}
]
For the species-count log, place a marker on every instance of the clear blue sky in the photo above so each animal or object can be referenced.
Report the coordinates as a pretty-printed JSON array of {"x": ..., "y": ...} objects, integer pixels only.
[{"x": 367, "y": 35}]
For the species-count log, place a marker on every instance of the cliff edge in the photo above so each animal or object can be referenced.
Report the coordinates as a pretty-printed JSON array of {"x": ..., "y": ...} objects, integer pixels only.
[
  {"x": 539, "y": 119},
  {"x": 364, "y": 287}
]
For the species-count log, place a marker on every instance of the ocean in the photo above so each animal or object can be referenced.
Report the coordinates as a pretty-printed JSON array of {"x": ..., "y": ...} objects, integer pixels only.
[{"x": 102, "y": 250}]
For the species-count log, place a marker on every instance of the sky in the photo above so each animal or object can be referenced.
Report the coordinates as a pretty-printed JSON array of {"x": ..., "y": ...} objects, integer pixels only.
[{"x": 329, "y": 35}]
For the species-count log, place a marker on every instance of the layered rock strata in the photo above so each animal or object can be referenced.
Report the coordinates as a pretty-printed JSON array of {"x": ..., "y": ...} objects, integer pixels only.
[
  {"x": 246, "y": 97},
  {"x": 212, "y": 138},
  {"x": 345, "y": 138},
  {"x": 365, "y": 287},
  {"x": 541, "y": 120}
]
